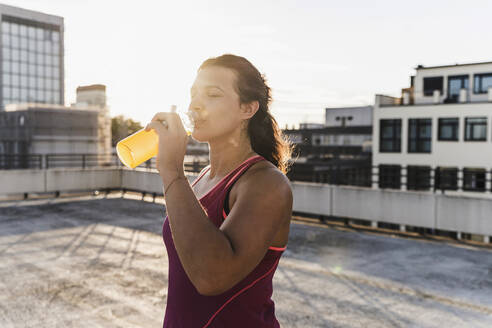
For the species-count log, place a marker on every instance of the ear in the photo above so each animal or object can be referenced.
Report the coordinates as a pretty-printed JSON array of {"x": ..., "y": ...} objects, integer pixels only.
[{"x": 248, "y": 110}]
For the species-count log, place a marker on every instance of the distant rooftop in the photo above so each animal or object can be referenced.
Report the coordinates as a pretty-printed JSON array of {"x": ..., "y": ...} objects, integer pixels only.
[
  {"x": 444, "y": 66},
  {"x": 350, "y": 107},
  {"x": 92, "y": 87},
  {"x": 43, "y": 106}
]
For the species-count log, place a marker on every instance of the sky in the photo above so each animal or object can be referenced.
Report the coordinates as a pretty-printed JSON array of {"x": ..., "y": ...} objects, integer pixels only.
[{"x": 314, "y": 54}]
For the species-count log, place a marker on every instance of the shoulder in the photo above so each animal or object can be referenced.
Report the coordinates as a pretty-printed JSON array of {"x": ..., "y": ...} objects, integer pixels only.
[{"x": 264, "y": 178}]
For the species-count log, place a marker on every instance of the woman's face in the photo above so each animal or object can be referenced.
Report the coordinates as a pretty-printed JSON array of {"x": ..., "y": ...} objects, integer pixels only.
[{"x": 215, "y": 104}]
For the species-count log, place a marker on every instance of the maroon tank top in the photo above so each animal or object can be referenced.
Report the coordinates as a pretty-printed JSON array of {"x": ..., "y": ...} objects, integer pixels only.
[{"x": 247, "y": 304}]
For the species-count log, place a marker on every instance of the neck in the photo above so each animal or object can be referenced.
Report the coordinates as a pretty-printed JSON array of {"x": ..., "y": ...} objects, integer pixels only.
[{"x": 228, "y": 152}]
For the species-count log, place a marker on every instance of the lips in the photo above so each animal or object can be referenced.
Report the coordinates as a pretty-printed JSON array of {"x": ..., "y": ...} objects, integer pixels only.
[{"x": 197, "y": 124}]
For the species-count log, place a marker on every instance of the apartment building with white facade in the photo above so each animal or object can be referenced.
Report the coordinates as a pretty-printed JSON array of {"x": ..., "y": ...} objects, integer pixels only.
[{"x": 437, "y": 135}]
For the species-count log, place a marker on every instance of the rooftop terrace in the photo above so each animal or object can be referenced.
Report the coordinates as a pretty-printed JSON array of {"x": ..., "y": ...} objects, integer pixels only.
[{"x": 101, "y": 262}]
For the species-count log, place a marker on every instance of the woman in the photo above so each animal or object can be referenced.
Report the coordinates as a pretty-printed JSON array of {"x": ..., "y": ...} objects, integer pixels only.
[{"x": 225, "y": 233}]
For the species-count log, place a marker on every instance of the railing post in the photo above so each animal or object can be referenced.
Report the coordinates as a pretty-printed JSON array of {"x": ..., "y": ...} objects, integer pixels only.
[
  {"x": 83, "y": 161},
  {"x": 487, "y": 181},
  {"x": 375, "y": 177},
  {"x": 460, "y": 179},
  {"x": 403, "y": 178}
]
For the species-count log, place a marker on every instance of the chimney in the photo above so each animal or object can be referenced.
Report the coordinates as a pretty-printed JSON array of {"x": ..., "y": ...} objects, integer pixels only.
[
  {"x": 93, "y": 95},
  {"x": 406, "y": 98}
]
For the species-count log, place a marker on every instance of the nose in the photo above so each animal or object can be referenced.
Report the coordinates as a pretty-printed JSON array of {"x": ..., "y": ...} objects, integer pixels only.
[
  {"x": 194, "y": 111},
  {"x": 195, "y": 106}
]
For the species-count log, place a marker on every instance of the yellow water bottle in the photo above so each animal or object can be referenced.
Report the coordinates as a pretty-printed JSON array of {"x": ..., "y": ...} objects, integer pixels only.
[
  {"x": 137, "y": 148},
  {"x": 142, "y": 145}
]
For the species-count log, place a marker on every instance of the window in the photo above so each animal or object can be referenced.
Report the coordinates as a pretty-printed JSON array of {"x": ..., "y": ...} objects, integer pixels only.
[
  {"x": 23, "y": 43},
  {"x": 476, "y": 129},
  {"x": 32, "y": 70},
  {"x": 31, "y": 32},
  {"x": 6, "y": 92},
  {"x": 39, "y": 33},
  {"x": 418, "y": 177},
  {"x": 6, "y": 53},
  {"x": 6, "y": 79},
  {"x": 446, "y": 178},
  {"x": 419, "y": 135},
  {"x": 473, "y": 179},
  {"x": 15, "y": 67},
  {"x": 23, "y": 30},
  {"x": 5, "y": 27},
  {"x": 23, "y": 68},
  {"x": 32, "y": 48},
  {"x": 448, "y": 129},
  {"x": 14, "y": 28},
  {"x": 31, "y": 95},
  {"x": 15, "y": 80},
  {"x": 15, "y": 94},
  {"x": 6, "y": 39},
  {"x": 482, "y": 83},
  {"x": 6, "y": 66},
  {"x": 455, "y": 84},
  {"x": 389, "y": 176},
  {"x": 431, "y": 84},
  {"x": 15, "y": 41},
  {"x": 23, "y": 95},
  {"x": 390, "y": 136}
]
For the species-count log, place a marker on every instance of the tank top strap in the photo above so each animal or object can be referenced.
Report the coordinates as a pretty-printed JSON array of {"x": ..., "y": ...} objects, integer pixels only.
[
  {"x": 231, "y": 176},
  {"x": 241, "y": 169},
  {"x": 205, "y": 170}
]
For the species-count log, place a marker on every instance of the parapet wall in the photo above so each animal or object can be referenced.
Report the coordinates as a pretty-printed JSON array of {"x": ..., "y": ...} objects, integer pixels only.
[{"x": 459, "y": 213}]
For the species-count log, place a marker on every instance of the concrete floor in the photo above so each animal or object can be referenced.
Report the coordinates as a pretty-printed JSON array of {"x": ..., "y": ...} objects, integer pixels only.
[{"x": 102, "y": 263}]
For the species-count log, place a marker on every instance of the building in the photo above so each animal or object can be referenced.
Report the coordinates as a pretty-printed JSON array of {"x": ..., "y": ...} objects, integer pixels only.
[
  {"x": 437, "y": 135},
  {"x": 44, "y": 129},
  {"x": 349, "y": 116},
  {"x": 49, "y": 129},
  {"x": 32, "y": 57},
  {"x": 338, "y": 151}
]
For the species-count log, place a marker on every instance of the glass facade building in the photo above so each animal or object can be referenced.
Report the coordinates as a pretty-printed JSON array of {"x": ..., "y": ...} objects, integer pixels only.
[{"x": 31, "y": 59}]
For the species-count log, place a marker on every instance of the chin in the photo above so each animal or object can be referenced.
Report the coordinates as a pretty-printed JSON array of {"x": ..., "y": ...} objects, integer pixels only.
[{"x": 199, "y": 135}]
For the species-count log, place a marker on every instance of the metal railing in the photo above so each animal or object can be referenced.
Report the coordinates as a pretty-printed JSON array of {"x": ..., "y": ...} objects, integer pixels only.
[
  {"x": 9, "y": 161},
  {"x": 48, "y": 161},
  {"x": 391, "y": 177}
]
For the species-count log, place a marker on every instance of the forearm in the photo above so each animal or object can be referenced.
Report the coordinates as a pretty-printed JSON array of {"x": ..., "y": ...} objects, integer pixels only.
[{"x": 203, "y": 249}]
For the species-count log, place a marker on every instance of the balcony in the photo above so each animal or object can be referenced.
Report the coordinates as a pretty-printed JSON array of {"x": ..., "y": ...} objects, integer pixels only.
[{"x": 411, "y": 98}]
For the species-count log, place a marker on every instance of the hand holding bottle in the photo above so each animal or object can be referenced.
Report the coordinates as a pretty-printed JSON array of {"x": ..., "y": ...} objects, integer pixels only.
[
  {"x": 173, "y": 139},
  {"x": 164, "y": 129}
]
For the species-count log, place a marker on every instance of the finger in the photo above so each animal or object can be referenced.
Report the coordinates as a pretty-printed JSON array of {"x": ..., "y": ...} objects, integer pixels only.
[
  {"x": 173, "y": 120},
  {"x": 163, "y": 116},
  {"x": 148, "y": 128},
  {"x": 157, "y": 127}
]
